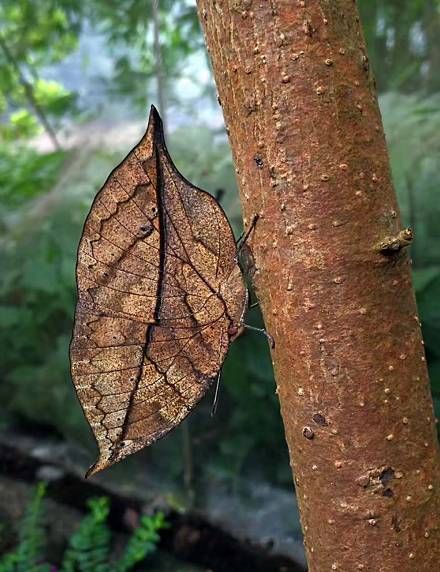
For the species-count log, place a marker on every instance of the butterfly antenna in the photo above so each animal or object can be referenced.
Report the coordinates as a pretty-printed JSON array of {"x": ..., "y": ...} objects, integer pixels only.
[
  {"x": 245, "y": 235},
  {"x": 215, "y": 401},
  {"x": 261, "y": 331}
]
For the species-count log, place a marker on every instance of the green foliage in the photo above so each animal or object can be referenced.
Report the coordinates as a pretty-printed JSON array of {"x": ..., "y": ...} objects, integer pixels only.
[
  {"x": 89, "y": 548},
  {"x": 29, "y": 553},
  {"x": 402, "y": 39},
  {"x": 22, "y": 125},
  {"x": 43, "y": 32},
  {"x": 53, "y": 97},
  {"x": 142, "y": 543},
  {"x": 128, "y": 28},
  {"x": 34, "y": 35},
  {"x": 25, "y": 174},
  {"x": 412, "y": 124},
  {"x": 41, "y": 228}
]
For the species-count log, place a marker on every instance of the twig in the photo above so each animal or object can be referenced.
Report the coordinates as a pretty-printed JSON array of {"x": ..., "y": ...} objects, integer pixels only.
[
  {"x": 29, "y": 93},
  {"x": 392, "y": 244}
]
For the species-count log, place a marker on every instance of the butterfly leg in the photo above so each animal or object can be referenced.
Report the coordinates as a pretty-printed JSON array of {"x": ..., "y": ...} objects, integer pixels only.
[
  {"x": 261, "y": 331},
  {"x": 216, "y": 394},
  {"x": 245, "y": 235}
]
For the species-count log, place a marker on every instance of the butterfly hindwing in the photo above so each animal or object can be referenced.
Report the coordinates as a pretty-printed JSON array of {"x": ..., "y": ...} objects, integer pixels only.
[{"x": 159, "y": 287}]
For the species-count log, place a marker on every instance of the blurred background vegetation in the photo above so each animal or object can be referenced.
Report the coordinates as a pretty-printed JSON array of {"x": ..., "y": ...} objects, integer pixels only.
[{"x": 76, "y": 80}]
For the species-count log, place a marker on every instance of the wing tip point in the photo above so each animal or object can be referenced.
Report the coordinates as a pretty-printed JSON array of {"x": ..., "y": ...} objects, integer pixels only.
[
  {"x": 155, "y": 125},
  {"x": 154, "y": 116},
  {"x": 99, "y": 465}
]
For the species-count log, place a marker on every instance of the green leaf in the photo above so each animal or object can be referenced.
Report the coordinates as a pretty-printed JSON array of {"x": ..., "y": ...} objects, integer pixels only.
[
  {"x": 89, "y": 547},
  {"x": 53, "y": 97},
  {"x": 22, "y": 125},
  {"x": 143, "y": 542},
  {"x": 25, "y": 174}
]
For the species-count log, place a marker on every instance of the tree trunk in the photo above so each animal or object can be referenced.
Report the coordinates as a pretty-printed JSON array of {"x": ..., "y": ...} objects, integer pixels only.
[{"x": 333, "y": 278}]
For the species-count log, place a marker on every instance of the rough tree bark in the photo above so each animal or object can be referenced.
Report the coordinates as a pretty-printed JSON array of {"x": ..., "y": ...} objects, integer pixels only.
[{"x": 333, "y": 277}]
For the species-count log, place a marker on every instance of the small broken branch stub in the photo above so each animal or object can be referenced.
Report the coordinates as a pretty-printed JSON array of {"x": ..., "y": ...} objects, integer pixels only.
[{"x": 392, "y": 244}]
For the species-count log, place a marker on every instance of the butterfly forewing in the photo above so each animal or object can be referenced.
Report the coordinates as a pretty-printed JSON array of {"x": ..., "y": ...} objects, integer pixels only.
[{"x": 158, "y": 288}]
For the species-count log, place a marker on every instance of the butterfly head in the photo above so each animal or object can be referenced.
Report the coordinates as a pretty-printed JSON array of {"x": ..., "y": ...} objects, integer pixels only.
[{"x": 235, "y": 330}]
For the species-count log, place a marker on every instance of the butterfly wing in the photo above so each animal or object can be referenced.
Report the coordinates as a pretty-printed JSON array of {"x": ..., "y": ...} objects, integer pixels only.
[{"x": 158, "y": 288}]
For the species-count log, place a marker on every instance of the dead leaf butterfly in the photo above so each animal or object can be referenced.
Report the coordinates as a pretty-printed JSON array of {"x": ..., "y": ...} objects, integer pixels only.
[{"x": 160, "y": 297}]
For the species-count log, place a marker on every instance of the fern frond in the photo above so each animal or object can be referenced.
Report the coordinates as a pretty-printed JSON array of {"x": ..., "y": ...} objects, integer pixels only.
[
  {"x": 8, "y": 562},
  {"x": 142, "y": 542},
  {"x": 88, "y": 548},
  {"x": 30, "y": 551},
  {"x": 28, "y": 556}
]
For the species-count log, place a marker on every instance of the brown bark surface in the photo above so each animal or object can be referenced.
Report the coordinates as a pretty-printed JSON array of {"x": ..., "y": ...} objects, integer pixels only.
[{"x": 332, "y": 274}]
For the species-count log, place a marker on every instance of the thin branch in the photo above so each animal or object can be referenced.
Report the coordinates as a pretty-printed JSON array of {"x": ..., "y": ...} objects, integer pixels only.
[
  {"x": 392, "y": 244},
  {"x": 161, "y": 98},
  {"x": 30, "y": 95}
]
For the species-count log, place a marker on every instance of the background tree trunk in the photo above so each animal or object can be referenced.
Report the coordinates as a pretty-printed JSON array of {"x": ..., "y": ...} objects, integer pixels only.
[
  {"x": 161, "y": 97},
  {"x": 333, "y": 279}
]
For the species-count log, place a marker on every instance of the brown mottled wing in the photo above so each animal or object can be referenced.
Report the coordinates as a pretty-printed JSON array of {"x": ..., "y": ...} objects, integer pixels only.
[{"x": 158, "y": 288}]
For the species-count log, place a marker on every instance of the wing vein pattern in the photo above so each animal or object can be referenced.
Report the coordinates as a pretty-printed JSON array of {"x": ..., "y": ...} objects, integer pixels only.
[{"x": 159, "y": 288}]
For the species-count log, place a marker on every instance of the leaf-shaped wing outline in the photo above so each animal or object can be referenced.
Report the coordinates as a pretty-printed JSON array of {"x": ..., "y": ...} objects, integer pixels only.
[{"x": 159, "y": 287}]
